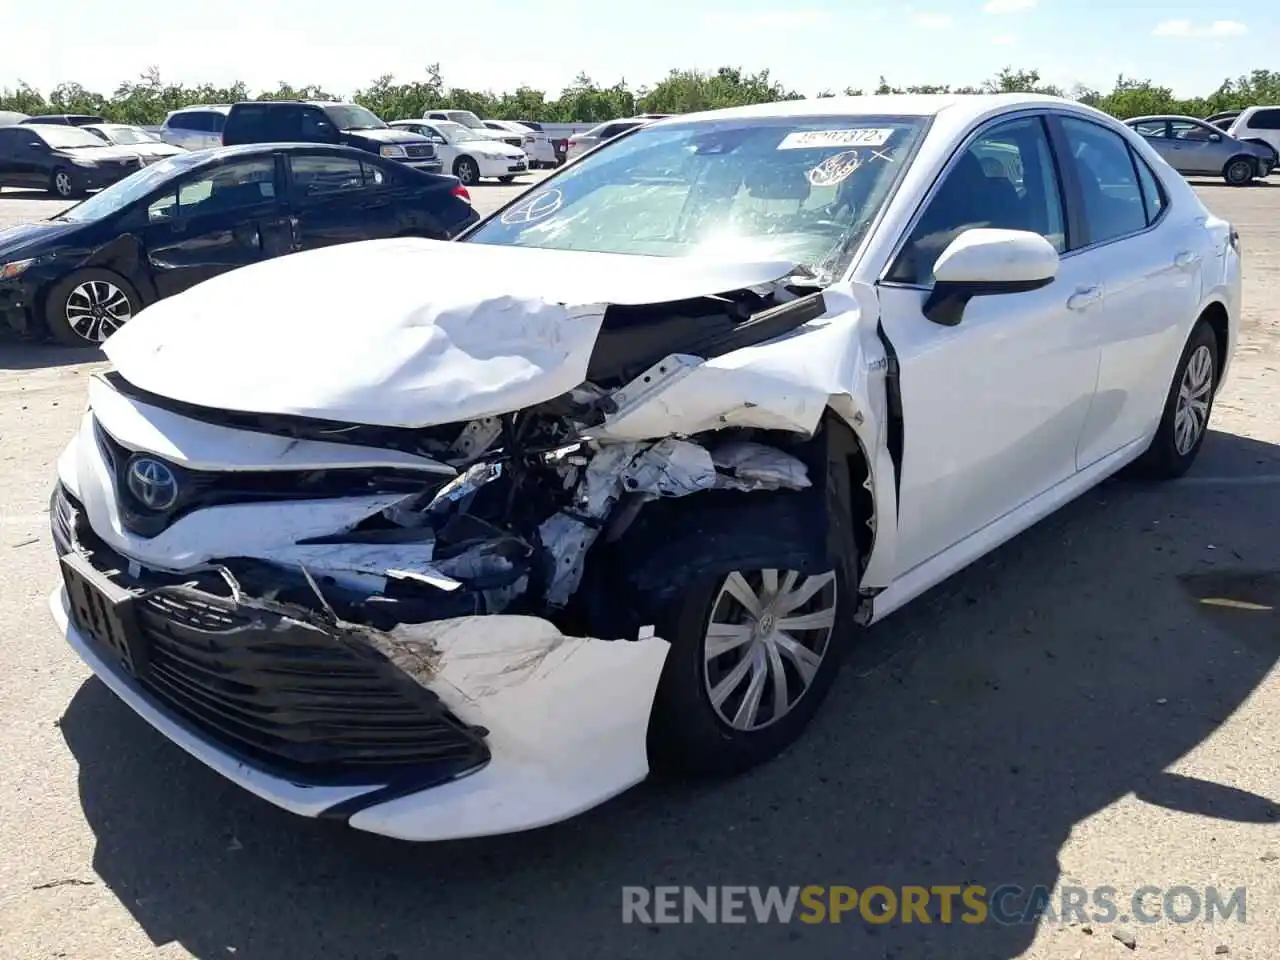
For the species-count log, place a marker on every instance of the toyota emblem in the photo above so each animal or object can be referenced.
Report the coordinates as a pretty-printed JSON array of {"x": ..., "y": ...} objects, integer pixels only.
[{"x": 152, "y": 482}]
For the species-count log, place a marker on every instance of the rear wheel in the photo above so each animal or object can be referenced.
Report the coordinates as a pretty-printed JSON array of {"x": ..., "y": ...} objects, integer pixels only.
[
  {"x": 87, "y": 307},
  {"x": 1239, "y": 171},
  {"x": 1189, "y": 404}
]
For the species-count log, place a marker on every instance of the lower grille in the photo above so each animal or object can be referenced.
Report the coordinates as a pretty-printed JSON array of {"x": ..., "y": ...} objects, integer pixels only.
[
  {"x": 293, "y": 696},
  {"x": 304, "y": 702}
]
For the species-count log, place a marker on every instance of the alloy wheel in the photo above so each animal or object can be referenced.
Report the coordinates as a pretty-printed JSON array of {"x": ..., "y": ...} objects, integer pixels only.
[
  {"x": 1191, "y": 415},
  {"x": 96, "y": 309},
  {"x": 62, "y": 183},
  {"x": 765, "y": 640}
]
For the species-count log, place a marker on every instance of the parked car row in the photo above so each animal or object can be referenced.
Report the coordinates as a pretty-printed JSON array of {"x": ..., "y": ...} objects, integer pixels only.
[{"x": 82, "y": 274}]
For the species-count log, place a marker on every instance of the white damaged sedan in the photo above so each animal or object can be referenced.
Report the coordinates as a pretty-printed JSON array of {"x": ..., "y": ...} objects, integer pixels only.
[{"x": 453, "y": 539}]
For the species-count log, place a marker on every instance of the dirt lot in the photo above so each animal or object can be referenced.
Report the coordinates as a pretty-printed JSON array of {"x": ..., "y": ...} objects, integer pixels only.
[{"x": 1063, "y": 713}]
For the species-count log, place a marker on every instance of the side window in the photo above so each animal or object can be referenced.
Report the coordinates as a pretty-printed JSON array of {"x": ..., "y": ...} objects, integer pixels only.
[
  {"x": 1265, "y": 120},
  {"x": 199, "y": 122},
  {"x": 324, "y": 176},
  {"x": 1113, "y": 202},
  {"x": 217, "y": 121},
  {"x": 1151, "y": 128},
  {"x": 1186, "y": 130},
  {"x": 1004, "y": 179},
  {"x": 180, "y": 121},
  {"x": 233, "y": 186},
  {"x": 316, "y": 126},
  {"x": 1153, "y": 195}
]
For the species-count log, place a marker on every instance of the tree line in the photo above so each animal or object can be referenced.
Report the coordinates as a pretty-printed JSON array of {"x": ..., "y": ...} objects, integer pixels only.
[{"x": 149, "y": 98}]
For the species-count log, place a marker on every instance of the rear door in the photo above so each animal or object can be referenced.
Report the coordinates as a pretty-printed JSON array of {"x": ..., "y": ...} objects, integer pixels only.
[
  {"x": 215, "y": 220},
  {"x": 334, "y": 198},
  {"x": 11, "y": 175},
  {"x": 1150, "y": 259},
  {"x": 1196, "y": 152}
]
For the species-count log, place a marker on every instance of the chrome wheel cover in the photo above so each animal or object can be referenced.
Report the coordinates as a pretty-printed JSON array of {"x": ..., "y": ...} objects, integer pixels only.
[
  {"x": 1195, "y": 393},
  {"x": 96, "y": 309},
  {"x": 765, "y": 640},
  {"x": 62, "y": 183}
]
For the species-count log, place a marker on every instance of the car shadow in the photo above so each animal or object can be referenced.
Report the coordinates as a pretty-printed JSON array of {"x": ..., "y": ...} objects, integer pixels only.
[
  {"x": 967, "y": 736},
  {"x": 17, "y": 354},
  {"x": 1207, "y": 182}
]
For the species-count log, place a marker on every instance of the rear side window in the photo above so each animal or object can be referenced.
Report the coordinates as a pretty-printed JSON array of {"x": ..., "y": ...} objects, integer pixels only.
[
  {"x": 1265, "y": 120},
  {"x": 266, "y": 123},
  {"x": 1113, "y": 201},
  {"x": 611, "y": 131},
  {"x": 1154, "y": 199},
  {"x": 315, "y": 176}
]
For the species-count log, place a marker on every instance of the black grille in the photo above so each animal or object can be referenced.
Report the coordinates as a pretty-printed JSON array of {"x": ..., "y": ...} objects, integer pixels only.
[
  {"x": 292, "y": 696},
  {"x": 305, "y": 702},
  {"x": 419, "y": 151},
  {"x": 514, "y": 141}
]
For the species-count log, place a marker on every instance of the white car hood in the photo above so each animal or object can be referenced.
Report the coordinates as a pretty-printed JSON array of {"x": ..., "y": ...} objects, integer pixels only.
[{"x": 403, "y": 332}]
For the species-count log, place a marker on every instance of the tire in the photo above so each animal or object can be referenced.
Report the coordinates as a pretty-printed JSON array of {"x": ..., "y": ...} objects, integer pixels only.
[
  {"x": 466, "y": 170},
  {"x": 1170, "y": 455},
  {"x": 692, "y": 555},
  {"x": 85, "y": 308},
  {"x": 1239, "y": 171},
  {"x": 64, "y": 184}
]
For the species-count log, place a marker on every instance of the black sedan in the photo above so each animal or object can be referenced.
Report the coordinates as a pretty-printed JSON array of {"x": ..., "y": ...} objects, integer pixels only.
[
  {"x": 82, "y": 274},
  {"x": 64, "y": 160}
]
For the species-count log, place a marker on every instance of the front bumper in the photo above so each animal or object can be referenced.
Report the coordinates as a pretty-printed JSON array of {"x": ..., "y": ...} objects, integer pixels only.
[
  {"x": 426, "y": 166},
  {"x": 501, "y": 167},
  {"x": 18, "y": 303},
  {"x": 456, "y": 728}
]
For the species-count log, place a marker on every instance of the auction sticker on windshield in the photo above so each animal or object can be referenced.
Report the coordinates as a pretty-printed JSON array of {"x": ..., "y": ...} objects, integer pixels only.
[{"x": 856, "y": 137}]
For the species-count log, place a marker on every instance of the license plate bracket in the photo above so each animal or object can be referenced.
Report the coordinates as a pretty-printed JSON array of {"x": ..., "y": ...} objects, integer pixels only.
[{"x": 105, "y": 612}]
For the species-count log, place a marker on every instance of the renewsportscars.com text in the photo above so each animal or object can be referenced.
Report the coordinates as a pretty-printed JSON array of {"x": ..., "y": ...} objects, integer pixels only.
[{"x": 970, "y": 904}]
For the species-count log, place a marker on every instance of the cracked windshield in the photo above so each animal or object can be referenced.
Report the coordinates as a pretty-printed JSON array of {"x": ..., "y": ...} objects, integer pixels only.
[{"x": 802, "y": 190}]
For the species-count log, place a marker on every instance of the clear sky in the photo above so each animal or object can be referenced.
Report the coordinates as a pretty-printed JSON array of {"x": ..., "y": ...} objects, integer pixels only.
[{"x": 809, "y": 45}]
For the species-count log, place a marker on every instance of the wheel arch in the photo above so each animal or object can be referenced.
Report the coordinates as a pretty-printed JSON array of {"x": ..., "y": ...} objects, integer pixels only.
[{"x": 1215, "y": 315}]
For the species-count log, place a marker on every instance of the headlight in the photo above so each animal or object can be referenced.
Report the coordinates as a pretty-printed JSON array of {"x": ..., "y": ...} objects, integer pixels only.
[
  {"x": 85, "y": 163},
  {"x": 14, "y": 268},
  {"x": 392, "y": 150}
]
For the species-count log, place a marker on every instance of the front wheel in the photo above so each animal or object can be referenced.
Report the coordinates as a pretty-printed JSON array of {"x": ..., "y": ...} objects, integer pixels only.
[
  {"x": 87, "y": 307},
  {"x": 467, "y": 170},
  {"x": 758, "y": 617},
  {"x": 1187, "y": 409},
  {"x": 1239, "y": 171}
]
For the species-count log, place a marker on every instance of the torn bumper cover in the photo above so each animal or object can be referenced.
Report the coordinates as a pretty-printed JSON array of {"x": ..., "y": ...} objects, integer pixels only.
[{"x": 457, "y": 728}]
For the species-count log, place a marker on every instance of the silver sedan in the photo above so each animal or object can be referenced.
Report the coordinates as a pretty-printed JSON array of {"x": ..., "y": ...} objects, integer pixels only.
[{"x": 1197, "y": 148}]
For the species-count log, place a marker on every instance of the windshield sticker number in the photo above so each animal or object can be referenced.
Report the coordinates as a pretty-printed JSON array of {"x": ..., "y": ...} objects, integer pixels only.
[
  {"x": 857, "y": 137},
  {"x": 538, "y": 207},
  {"x": 835, "y": 169}
]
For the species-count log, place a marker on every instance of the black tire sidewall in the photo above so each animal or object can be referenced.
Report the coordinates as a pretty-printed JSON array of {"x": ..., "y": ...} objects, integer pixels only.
[
  {"x": 55, "y": 305},
  {"x": 1162, "y": 459},
  {"x": 1249, "y": 166}
]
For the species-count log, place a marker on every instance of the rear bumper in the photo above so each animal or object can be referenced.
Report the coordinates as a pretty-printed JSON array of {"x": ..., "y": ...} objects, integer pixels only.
[{"x": 566, "y": 722}]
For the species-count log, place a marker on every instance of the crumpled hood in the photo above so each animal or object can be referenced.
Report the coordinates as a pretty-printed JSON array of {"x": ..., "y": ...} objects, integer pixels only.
[
  {"x": 403, "y": 332},
  {"x": 30, "y": 239}
]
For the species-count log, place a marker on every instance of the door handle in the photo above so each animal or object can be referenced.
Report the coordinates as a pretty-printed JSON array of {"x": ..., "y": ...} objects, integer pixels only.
[
  {"x": 1084, "y": 297},
  {"x": 1186, "y": 260}
]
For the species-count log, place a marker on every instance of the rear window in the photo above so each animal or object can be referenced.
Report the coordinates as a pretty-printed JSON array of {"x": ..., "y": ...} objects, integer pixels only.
[
  {"x": 201, "y": 121},
  {"x": 1265, "y": 120}
]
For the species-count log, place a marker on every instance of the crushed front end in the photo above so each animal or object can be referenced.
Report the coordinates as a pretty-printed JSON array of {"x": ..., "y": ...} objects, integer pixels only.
[{"x": 412, "y": 626}]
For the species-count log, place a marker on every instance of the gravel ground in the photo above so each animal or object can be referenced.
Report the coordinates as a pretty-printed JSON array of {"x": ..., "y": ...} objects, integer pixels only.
[{"x": 1064, "y": 713}]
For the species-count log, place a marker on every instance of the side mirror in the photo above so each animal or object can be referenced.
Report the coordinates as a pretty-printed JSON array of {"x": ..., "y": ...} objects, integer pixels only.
[
  {"x": 984, "y": 262},
  {"x": 438, "y": 140}
]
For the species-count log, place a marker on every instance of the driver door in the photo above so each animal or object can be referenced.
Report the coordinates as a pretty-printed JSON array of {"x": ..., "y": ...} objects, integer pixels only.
[{"x": 994, "y": 406}]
